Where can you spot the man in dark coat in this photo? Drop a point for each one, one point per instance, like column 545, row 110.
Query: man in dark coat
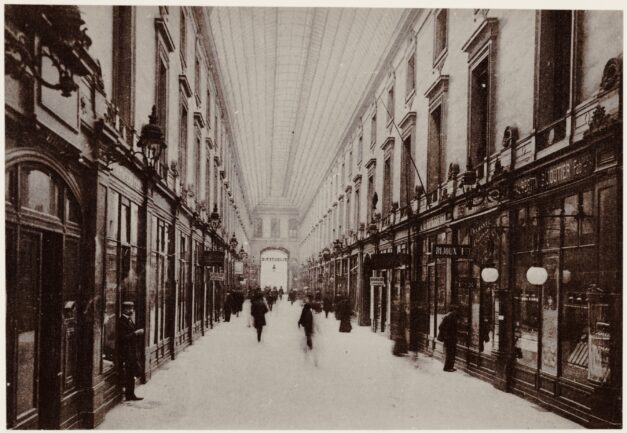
column 448, row 335
column 228, row 307
column 129, row 352
column 258, row 310
column 306, row 320
column 327, row 305
column 344, row 312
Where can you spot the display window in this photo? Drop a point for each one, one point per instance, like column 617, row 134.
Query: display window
column 561, row 327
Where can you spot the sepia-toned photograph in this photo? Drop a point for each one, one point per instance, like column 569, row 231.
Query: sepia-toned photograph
column 312, row 217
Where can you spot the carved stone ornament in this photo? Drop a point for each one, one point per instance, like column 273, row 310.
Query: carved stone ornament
column 453, row 170
column 510, row 135
column 612, row 73
column 600, row 120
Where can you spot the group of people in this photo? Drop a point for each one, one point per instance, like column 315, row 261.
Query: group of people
column 128, row 333
column 233, row 304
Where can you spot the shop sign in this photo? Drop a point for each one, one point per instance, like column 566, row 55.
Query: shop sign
column 213, row 258
column 435, row 221
column 216, row 276
column 449, row 250
column 377, row 281
column 238, row 267
column 563, row 172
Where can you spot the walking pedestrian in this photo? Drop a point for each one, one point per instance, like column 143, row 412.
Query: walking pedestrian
column 228, row 306
column 306, row 321
column 258, row 311
column 327, row 305
column 129, row 353
column 447, row 334
column 344, row 315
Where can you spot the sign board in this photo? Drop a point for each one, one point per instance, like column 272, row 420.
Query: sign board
column 213, row 258
column 449, row 250
column 565, row 171
column 238, row 267
column 216, row 276
column 377, row 281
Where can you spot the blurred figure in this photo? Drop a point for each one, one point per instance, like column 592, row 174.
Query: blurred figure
column 309, row 324
column 448, row 335
column 327, row 305
column 281, row 293
column 228, row 306
column 306, row 321
column 292, row 296
column 344, row 313
column 258, row 311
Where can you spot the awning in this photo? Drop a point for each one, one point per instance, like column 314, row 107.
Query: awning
column 387, row 260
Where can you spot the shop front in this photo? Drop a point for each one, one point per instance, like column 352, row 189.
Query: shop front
column 44, row 244
column 566, row 286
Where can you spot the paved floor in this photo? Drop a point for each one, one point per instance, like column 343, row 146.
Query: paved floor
column 227, row 380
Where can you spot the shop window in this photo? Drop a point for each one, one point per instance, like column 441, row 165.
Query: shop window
column 182, row 283
column 41, row 192
column 72, row 209
column 10, row 186
column 480, row 143
column 526, row 313
column 441, row 34
column 293, row 228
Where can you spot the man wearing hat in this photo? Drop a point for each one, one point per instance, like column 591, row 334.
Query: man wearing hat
column 129, row 353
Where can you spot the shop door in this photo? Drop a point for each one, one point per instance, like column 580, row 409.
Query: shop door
column 34, row 260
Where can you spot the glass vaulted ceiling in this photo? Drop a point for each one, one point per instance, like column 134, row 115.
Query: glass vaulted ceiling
column 293, row 78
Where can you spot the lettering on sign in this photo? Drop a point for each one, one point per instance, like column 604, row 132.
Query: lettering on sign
column 377, row 281
column 216, row 276
column 213, row 258
column 448, row 250
column 274, row 259
column 565, row 171
column 435, row 221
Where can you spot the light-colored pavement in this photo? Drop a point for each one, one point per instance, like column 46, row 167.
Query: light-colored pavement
column 227, row 380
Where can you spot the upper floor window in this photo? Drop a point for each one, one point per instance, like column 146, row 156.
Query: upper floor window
column 183, row 138
column 360, row 148
column 387, row 186
column 183, row 37
column 373, row 128
column 123, row 67
column 480, row 143
column 390, row 104
column 554, row 72
column 441, row 34
column 208, row 106
column 197, row 77
column 436, row 152
column 411, row 75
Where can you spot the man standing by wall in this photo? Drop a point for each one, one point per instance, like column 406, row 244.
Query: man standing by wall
column 129, row 354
